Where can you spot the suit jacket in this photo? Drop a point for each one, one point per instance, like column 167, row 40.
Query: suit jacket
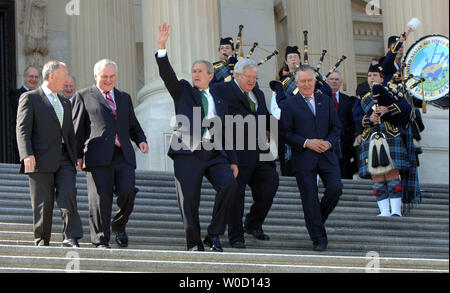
column 39, row 132
column 14, row 99
column 299, row 123
column 239, row 105
column 186, row 98
column 388, row 61
column 96, row 127
column 345, row 113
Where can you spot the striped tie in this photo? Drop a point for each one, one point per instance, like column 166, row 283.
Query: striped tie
column 57, row 108
column 310, row 105
column 113, row 106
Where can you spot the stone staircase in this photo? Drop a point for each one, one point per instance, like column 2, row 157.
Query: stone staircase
column 415, row 243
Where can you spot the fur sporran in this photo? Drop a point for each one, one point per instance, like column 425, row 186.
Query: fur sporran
column 380, row 161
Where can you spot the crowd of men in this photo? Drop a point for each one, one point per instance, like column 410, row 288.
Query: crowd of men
column 322, row 133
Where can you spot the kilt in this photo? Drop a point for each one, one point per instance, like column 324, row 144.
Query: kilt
column 397, row 148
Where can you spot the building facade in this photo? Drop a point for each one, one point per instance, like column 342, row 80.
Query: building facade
column 81, row 32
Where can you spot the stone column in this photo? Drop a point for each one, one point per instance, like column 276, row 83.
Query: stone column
column 104, row 29
column 330, row 27
column 434, row 16
column 194, row 35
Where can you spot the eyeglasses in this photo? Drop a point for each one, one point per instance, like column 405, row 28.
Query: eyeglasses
column 251, row 78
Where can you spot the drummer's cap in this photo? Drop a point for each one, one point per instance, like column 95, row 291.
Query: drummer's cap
column 292, row 50
column 392, row 41
column 227, row 41
column 376, row 68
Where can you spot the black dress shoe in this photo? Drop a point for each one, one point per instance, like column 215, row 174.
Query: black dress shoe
column 320, row 246
column 103, row 246
column 197, row 248
column 258, row 234
column 122, row 239
column 213, row 242
column 238, row 244
column 42, row 243
column 71, row 242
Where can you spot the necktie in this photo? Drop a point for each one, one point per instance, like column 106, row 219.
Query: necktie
column 336, row 101
column 309, row 102
column 58, row 111
column 112, row 104
column 252, row 104
column 205, row 105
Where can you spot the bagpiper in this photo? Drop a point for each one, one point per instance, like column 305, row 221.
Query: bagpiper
column 223, row 69
column 387, row 149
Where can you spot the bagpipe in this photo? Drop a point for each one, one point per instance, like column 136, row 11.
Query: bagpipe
column 380, row 160
column 239, row 55
column 282, row 85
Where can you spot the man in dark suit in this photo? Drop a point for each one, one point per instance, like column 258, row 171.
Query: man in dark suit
column 191, row 150
column 30, row 82
column 344, row 105
column 245, row 99
column 105, row 122
column 311, row 127
column 70, row 88
column 47, row 148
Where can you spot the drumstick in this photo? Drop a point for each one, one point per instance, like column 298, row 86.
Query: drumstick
column 424, row 103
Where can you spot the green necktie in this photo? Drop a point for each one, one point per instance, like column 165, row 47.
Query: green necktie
column 205, row 105
column 252, row 104
column 58, row 111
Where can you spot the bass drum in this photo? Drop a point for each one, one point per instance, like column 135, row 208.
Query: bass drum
column 428, row 58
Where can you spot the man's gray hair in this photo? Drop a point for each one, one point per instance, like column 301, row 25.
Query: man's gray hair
column 25, row 73
column 50, row 67
column 209, row 66
column 341, row 76
column 303, row 68
column 103, row 64
column 73, row 78
column 245, row 63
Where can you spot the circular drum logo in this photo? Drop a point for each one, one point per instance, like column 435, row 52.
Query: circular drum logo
column 428, row 58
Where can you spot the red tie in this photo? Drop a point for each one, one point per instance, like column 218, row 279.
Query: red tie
column 112, row 105
column 336, row 101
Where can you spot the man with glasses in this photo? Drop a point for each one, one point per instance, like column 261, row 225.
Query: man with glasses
column 245, row 99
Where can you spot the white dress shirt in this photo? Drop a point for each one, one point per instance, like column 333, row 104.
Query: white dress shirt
column 338, row 97
column 274, row 108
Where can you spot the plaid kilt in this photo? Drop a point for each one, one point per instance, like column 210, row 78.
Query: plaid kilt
column 397, row 148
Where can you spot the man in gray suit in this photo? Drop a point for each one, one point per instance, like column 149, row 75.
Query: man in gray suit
column 47, row 148
column 105, row 125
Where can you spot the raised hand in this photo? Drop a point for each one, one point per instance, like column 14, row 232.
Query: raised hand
column 163, row 35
